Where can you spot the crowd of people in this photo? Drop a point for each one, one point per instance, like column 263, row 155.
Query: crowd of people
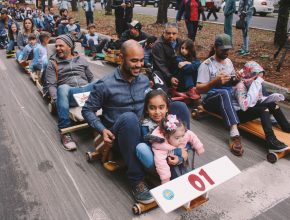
column 149, row 130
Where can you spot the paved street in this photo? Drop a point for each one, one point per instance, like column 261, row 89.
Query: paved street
column 268, row 22
column 39, row 180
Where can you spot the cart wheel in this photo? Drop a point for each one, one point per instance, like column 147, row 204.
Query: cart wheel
column 195, row 114
column 89, row 157
column 51, row 109
column 272, row 157
column 136, row 209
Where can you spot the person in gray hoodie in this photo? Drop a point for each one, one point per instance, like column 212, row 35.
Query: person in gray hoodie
column 67, row 74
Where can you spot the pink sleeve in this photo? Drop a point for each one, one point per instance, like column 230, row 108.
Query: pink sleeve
column 162, row 167
column 194, row 141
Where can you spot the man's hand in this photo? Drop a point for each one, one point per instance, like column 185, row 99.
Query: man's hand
column 174, row 82
column 108, row 136
column 172, row 159
column 123, row 5
column 223, row 78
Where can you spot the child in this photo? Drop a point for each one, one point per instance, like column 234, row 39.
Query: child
column 147, row 50
column 27, row 53
column 92, row 42
column 71, row 27
column 40, row 59
column 156, row 107
column 113, row 44
column 174, row 135
column 12, row 40
column 187, row 68
column 248, row 92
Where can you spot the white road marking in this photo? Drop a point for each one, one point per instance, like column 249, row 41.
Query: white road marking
column 254, row 191
column 2, row 66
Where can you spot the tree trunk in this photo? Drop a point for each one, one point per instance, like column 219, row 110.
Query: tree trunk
column 108, row 9
column 282, row 22
column 49, row 3
column 162, row 12
column 74, row 5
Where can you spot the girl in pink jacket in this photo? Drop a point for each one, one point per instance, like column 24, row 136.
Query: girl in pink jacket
column 173, row 134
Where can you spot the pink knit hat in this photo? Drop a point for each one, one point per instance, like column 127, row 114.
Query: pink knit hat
column 251, row 69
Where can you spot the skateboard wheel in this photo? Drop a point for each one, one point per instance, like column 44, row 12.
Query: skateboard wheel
column 272, row 157
column 89, row 157
column 136, row 209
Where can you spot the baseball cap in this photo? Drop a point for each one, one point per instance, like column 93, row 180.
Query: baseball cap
column 223, row 41
column 135, row 24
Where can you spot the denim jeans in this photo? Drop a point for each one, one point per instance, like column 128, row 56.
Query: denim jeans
column 191, row 29
column 228, row 26
column 246, row 34
column 128, row 134
column 10, row 45
column 144, row 151
column 60, row 29
column 65, row 100
column 96, row 48
column 89, row 17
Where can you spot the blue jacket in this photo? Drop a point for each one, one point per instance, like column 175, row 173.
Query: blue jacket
column 188, row 68
column 115, row 96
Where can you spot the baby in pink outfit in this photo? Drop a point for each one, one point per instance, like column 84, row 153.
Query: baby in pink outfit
column 173, row 134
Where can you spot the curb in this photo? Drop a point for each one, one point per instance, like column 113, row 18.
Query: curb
column 272, row 88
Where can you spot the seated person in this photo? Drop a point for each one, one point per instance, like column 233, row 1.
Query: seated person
column 27, row 53
column 134, row 32
column 215, row 84
column 39, row 61
column 174, row 135
column 164, row 57
column 12, row 39
column 62, row 22
column 71, row 27
column 92, row 41
column 38, row 20
column 156, row 107
column 113, row 44
column 49, row 21
column 148, row 50
column 187, row 69
column 5, row 23
column 67, row 74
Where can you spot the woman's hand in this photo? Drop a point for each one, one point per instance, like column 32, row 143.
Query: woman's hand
column 174, row 82
column 172, row 159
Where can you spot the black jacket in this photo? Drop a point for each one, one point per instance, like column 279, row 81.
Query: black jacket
column 126, row 35
column 164, row 58
column 123, row 12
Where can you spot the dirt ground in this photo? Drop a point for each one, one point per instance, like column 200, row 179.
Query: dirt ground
column 261, row 43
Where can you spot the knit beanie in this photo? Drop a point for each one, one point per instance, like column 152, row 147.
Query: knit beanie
column 67, row 39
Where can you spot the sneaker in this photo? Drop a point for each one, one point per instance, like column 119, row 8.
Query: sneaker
column 274, row 145
column 67, row 142
column 236, row 146
column 240, row 50
column 141, row 193
column 244, row 53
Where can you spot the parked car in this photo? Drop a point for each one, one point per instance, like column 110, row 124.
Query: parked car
column 155, row 3
column 262, row 7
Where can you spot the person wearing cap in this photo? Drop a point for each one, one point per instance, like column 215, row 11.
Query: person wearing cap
column 164, row 56
column 134, row 32
column 67, row 74
column 215, row 81
column 123, row 14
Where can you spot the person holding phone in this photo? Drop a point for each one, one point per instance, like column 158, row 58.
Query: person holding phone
column 214, row 83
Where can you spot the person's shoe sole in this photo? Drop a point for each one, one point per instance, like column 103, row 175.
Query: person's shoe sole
column 145, row 201
column 278, row 151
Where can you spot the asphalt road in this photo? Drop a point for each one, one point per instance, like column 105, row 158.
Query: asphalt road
column 268, row 22
column 40, row 180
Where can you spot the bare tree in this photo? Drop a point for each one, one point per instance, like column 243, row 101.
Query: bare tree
column 282, row 22
column 162, row 12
